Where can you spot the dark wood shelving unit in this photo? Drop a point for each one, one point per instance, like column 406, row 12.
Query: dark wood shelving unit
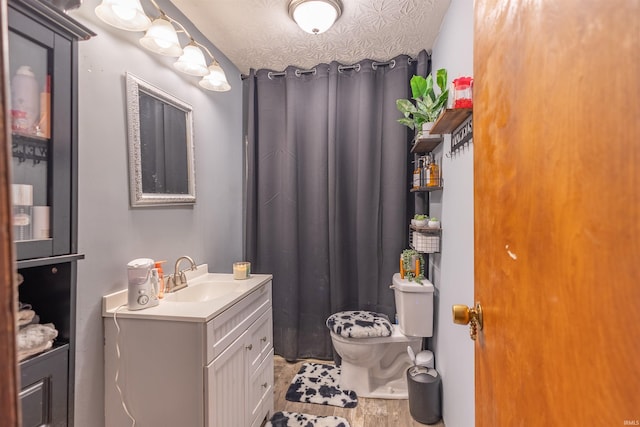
column 450, row 119
column 46, row 38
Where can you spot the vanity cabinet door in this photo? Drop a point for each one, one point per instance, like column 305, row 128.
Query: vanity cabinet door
column 226, row 386
column 239, row 381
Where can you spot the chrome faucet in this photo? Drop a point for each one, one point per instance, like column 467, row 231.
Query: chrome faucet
column 178, row 280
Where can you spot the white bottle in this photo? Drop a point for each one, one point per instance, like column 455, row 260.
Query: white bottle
column 25, row 100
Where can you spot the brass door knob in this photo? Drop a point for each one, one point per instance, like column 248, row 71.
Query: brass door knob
column 463, row 315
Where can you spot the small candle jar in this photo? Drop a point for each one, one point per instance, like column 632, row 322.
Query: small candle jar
column 241, row 270
column 463, row 92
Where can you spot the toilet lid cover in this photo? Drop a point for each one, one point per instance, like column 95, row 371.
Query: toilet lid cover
column 359, row 324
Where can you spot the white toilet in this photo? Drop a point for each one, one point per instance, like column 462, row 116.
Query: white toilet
column 374, row 351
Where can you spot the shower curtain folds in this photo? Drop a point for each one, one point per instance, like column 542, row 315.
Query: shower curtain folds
column 326, row 192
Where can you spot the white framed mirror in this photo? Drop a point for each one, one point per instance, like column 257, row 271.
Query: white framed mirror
column 161, row 150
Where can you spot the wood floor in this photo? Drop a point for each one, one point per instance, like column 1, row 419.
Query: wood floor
column 368, row 413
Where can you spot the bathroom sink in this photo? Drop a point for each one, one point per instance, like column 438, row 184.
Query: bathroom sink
column 204, row 291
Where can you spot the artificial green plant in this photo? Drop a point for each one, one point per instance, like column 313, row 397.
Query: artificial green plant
column 408, row 258
column 426, row 106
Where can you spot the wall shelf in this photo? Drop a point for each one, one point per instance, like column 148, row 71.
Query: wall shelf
column 37, row 262
column 425, row 189
column 426, row 230
column 426, row 145
column 450, row 119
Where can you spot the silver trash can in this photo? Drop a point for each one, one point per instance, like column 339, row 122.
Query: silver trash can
column 425, row 391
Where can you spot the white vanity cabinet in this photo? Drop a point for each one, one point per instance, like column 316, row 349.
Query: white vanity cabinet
column 177, row 371
column 242, row 368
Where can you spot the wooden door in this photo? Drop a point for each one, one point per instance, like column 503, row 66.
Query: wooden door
column 557, row 212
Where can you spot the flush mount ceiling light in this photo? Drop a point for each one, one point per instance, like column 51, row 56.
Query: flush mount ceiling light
column 124, row 14
column 161, row 37
column 315, row 16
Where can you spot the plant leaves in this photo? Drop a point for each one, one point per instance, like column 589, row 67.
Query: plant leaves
column 407, row 122
column 441, row 79
column 405, row 106
column 419, row 87
column 430, row 93
column 427, row 105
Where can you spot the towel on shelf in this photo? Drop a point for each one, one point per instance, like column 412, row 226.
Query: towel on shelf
column 25, row 317
column 34, row 339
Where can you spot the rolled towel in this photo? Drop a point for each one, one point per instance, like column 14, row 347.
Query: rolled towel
column 33, row 339
column 25, row 317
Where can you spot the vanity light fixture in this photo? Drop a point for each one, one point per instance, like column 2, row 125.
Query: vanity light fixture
column 315, row 16
column 123, row 14
column 162, row 37
column 192, row 61
column 216, row 79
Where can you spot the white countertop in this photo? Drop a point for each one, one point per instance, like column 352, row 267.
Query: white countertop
column 186, row 311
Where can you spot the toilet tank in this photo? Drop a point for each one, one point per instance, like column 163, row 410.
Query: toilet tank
column 414, row 305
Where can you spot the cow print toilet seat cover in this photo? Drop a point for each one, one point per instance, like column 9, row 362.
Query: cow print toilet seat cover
column 359, row 324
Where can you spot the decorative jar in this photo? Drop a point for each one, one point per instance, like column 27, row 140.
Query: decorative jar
column 463, row 92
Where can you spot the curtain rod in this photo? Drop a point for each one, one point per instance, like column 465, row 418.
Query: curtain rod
column 341, row 68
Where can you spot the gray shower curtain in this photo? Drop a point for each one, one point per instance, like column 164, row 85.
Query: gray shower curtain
column 326, row 192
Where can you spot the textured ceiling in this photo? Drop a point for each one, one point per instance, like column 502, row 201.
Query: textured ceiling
column 260, row 34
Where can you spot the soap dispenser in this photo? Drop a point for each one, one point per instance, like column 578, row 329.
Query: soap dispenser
column 158, row 266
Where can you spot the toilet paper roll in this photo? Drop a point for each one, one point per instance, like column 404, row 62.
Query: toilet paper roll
column 41, row 228
column 22, row 194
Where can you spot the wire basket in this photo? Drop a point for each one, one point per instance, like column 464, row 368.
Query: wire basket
column 425, row 243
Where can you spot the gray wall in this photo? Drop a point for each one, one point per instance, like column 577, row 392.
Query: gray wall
column 110, row 232
column 453, row 268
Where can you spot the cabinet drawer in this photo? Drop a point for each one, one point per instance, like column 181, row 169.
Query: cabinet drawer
column 260, row 394
column 229, row 325
column 260, row 340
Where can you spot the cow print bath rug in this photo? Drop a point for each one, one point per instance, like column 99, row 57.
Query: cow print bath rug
column 318, row 383
column 295, row 419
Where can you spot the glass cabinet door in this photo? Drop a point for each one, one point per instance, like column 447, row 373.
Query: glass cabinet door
column 39, row 67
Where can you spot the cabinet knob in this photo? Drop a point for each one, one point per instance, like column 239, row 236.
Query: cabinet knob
column 265, row 385
column 249, row 347
column 263, row 339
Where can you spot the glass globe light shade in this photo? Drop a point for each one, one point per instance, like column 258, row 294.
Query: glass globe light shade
column 123, row 14
column 315, row 16
column 162, row 38
column 216, row 80
column 192, row 61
